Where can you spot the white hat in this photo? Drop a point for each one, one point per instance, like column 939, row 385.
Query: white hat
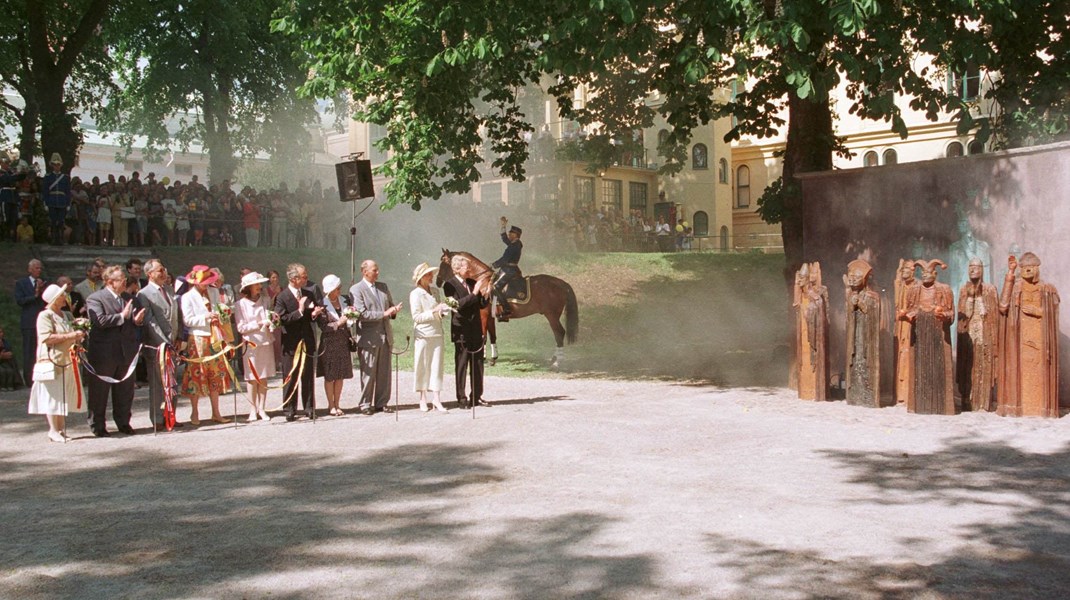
column 421, row 270
column 251, row 278
column 331, row 283
column 56, row 159
column 52, row 292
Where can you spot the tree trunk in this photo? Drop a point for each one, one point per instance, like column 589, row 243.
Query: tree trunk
column 29, row 121
column 59, row 129
column 809, row 148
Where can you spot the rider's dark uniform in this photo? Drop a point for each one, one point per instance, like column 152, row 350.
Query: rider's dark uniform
column 508, row 266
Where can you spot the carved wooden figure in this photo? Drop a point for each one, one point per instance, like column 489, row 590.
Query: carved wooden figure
column 902, row 331
column 863, row 336
column 978, row 341
column 812, row 333
column 1028, row 381
column 931, row 309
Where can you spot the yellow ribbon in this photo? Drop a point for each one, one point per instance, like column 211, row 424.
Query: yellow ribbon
column 299, row 366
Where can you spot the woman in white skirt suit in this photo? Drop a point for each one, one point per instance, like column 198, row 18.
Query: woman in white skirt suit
column 427, row 313
column 254, row 324
column 54, row 392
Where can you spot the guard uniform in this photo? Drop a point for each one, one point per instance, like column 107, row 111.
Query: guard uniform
column 9, row 202
column 56, row 193
column 508, row 266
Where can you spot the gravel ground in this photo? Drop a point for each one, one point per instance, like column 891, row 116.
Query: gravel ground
column 565, row 488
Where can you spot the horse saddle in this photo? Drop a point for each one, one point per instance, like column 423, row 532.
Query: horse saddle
column 518, row 291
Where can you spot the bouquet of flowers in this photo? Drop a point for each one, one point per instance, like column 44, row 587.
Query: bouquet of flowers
column 451, row 302
column 351, row 314
column 223, row 311
column 276, row 321
column 82, row 324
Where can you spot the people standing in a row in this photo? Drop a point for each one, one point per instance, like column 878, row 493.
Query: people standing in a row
column 112, row 348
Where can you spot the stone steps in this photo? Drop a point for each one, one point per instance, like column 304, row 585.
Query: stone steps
column 73, row 260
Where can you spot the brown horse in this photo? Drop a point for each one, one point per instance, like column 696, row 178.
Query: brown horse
column 550, row 297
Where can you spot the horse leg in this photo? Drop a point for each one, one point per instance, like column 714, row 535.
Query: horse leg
column 559, row 338
column 492, row 335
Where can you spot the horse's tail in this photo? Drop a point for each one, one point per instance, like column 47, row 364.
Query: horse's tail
column 572, row 314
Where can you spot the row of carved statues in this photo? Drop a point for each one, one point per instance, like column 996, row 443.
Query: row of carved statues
column 1007, row 344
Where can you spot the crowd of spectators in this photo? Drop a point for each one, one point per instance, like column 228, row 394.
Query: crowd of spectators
column 135, row 211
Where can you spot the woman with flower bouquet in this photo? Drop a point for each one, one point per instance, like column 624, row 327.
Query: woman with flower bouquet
column 199, row 313
column 56, row 387
column 335, row 363
column 427, row 313
column 257, row 324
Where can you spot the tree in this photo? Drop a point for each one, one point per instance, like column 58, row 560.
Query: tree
column 208, row 71
column 55, row 58
column 440, row 78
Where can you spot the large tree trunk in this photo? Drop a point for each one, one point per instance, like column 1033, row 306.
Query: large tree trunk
column 809, row 148
column 29, row 121
column 216, row 112
column 59, row 129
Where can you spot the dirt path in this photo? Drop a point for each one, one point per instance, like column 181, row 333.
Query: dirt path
column 566, row 488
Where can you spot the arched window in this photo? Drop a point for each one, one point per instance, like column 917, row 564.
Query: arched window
column 724, row 238
column 701, row 223
column 976, row 147
column 663, row 137
column 722, row 171
column 954, row 149
column 376, row 133
column 743, row 186
column 869, row 159
column 699, row 158
column 891, row 157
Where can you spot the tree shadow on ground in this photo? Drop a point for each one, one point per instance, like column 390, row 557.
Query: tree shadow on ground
column 1024, row 556
column 400, row 522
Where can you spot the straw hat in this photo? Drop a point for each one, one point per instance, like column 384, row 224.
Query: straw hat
column 201, row 275
column 421, row 270
column 330, row 283
column 251, row 279
column 52, row 292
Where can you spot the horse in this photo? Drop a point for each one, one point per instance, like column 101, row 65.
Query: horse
column 549, row 297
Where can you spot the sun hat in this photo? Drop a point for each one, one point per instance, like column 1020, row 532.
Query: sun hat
column 52, row 292
column 421, row 270
column 251, row 279
column 201, row 275
column 331, row 283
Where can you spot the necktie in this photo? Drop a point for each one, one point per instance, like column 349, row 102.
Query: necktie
column 166, row 297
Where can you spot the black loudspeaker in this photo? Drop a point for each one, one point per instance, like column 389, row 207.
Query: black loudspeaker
column 354, row 180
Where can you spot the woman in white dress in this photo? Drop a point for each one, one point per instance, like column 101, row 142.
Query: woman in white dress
column 254, row 324
column 55, row 392
column 427, row 313
column 208, row 378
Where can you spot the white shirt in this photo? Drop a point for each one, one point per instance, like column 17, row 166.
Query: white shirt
column 196, row 309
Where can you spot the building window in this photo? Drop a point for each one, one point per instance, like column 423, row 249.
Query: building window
column 612, row 190
column 376, row 133
column 183, row 169
column 637, row 196
column 701, row 223
column 518, row 193
column 133, row 165
column 699, row 157
column 722, row 171
column 663, row 138
column 491, row 193
column 954, row 150
column 966, row 84
column 869, row 159
column 976, row 147
column 743, row 187
column 584, row 192
column 891, row 157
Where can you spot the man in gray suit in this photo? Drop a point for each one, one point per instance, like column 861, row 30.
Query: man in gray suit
column 374, row 337
column 159, row 329
column 112, row 348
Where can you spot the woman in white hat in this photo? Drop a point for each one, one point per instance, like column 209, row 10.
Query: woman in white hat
column 335, row 363
column 257, row 329
column 427, row 313
column 55, row 392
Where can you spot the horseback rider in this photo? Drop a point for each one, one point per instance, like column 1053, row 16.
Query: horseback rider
column 508, row 265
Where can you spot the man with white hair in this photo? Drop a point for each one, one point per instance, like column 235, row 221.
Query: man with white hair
column 375, row 337
column 28, row 292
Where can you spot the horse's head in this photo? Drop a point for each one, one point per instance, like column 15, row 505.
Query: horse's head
column 444, row 269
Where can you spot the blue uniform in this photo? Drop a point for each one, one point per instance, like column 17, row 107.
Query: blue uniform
column 9, row 202
column 56, row 193
column 509, row 267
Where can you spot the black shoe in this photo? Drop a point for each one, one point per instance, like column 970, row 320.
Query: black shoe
column 291, row 418
column 311, row 414
column 482, row 402
column 126, row 430
column 367, row 411
column 462, row 404
column 101, row 433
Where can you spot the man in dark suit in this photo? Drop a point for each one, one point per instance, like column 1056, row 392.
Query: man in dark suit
column 28, row 292
column 374, row 337
column 112, row 347
column 297, row 310
column 466, row 332
column 160, row 329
